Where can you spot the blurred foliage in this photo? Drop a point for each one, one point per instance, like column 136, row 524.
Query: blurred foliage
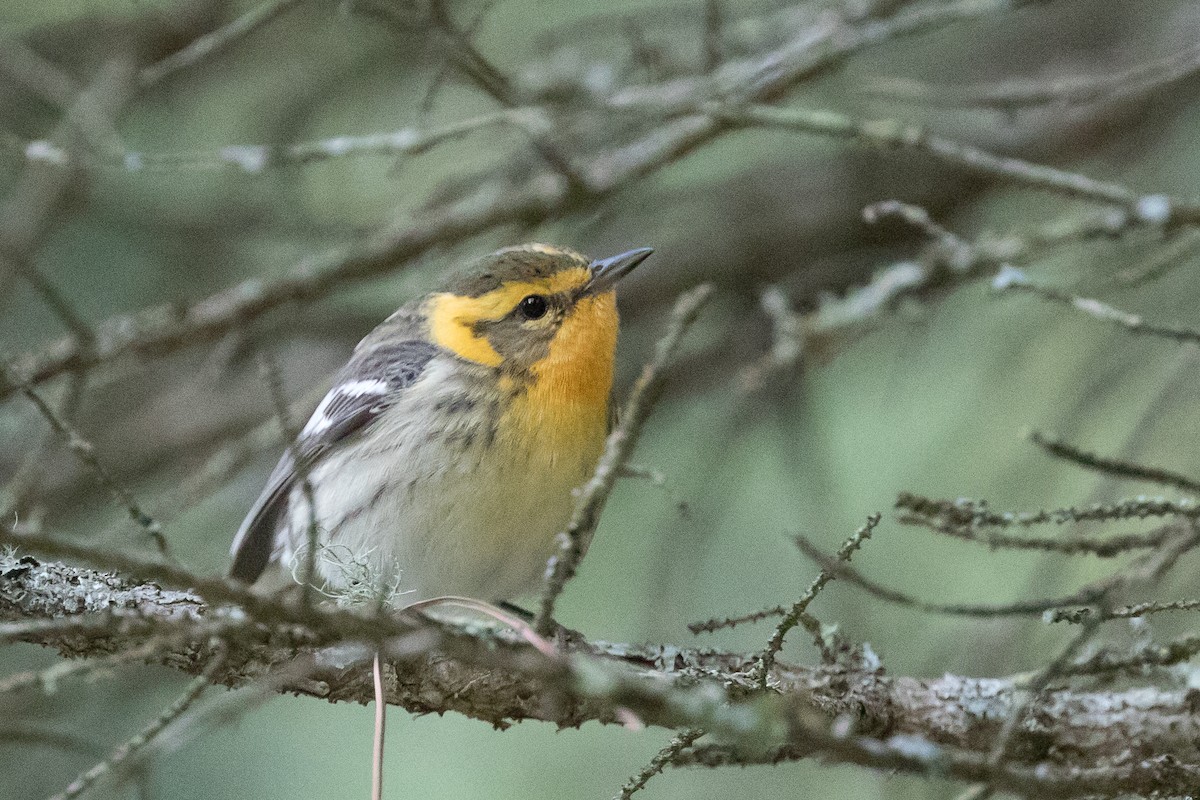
column 933, row 399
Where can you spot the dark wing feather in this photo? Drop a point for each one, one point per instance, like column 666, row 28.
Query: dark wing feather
column 362, row 390
column 255, row 541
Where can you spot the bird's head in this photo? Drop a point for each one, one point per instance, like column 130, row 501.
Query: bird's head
column 535, row 310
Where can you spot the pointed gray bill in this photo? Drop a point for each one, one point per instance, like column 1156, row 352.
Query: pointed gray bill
column 607, row 271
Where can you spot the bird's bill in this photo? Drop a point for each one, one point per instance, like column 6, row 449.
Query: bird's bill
column 607, row 271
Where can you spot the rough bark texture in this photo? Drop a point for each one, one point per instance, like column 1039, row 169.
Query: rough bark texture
column 84, row 613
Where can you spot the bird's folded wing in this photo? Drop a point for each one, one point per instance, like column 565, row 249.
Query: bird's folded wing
column 374, row 378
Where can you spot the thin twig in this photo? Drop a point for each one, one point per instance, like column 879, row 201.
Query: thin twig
column 617, row 449
column 225, row 463
column 48, row 678
column 210, row 44
column 919, row 756
column 1105, row 661
column 129, row 623
column 86, row 453
column 1014, row 280
column 24, row 482
column 852, row 576
column 798, row 614
column 974, row 513
column 32, row 205
column 898, row 135
column 661, row 760
column 1018, row 608
column 485, row 76
column 720, row 623
column 138, row 742
column 256, row 158
column 915, row 216
column 1113, row 466
column 1088, row 615
column 58, row 302
column 290, row 433
column 1175, row 252
column 949, row 261
column 1108, row 547
column 1067, row 90
column 1034, row 687
column 787, row 340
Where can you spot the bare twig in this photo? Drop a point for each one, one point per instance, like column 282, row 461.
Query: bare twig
column 25, row 480
column 844, row 571
column 1108, row 547
column 661, row 760
column 895, row 134
column 225, row 463
column 950, row 261
column 256, row 158
column 787, row 340
column 1033, row 689
column 1066, row 91
column 918, row 756
column 86, row 453
column 138, row 742
column 290, row 432
column 58, row 302
column 716, row 624
column 1175, row 252
column 972, row 513
column 1088, row 615
column 49, row 678
column 210, row 44
column 1018, row 608
column 1014, row 280
column 798, row 614
column 1113, row 466
column 28, row 211
column 1105, row 660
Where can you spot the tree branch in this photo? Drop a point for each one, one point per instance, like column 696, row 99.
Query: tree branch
column 1077, row 740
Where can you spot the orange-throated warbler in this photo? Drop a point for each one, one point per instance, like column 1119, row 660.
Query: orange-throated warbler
column 443, row 459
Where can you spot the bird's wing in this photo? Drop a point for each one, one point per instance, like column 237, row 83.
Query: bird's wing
column 374, row 378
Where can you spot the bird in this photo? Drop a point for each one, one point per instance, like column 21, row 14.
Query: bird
column 442, row 462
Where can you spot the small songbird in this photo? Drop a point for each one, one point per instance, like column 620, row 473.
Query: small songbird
column 442, row 461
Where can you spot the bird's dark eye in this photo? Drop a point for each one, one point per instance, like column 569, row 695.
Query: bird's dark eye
column 533, row 307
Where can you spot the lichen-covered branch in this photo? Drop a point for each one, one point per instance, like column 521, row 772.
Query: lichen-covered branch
column 1077, row 739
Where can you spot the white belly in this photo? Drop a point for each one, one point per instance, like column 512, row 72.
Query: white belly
column 439, row 508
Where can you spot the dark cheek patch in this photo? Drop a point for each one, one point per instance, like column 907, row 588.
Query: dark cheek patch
column 520, row 343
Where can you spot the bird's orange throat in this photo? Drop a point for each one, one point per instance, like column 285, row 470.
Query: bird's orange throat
column 578, row 370
column 566, row 404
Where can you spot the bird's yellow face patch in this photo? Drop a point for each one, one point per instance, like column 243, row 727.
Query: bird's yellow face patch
column 455, row 321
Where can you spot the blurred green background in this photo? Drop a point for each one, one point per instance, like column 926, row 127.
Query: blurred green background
column 931, row 398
